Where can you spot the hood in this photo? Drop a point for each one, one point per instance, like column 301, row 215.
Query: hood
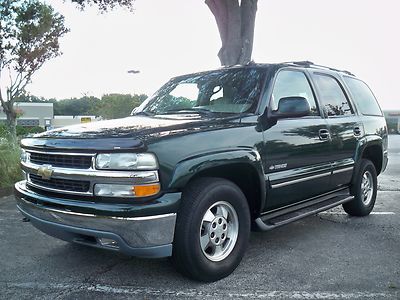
column 141, row 127
column 128, row 133
column 125, row 127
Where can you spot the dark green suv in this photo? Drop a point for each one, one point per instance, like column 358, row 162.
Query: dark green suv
column 207, row 158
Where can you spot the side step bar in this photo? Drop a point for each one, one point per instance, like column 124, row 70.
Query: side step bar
column 268, row 222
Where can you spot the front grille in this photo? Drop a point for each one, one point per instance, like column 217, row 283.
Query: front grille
column 61, row 160
column 61, row 184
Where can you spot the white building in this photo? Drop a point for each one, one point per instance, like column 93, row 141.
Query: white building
column 42, row 114
column 32, row 114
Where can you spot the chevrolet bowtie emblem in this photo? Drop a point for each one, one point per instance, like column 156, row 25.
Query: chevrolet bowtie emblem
column 45, row 172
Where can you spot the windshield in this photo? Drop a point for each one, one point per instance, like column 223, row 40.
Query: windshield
column 224, row 91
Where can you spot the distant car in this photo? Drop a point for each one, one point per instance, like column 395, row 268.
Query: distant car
column 208, row 157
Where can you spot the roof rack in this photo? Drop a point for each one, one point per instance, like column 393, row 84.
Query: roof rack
column 309, row 64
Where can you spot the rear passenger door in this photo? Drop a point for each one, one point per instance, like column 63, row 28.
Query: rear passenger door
column 343, row 124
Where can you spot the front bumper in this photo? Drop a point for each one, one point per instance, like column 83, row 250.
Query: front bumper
column 144, row 236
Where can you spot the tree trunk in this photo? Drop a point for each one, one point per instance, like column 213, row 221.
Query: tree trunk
column 11, row 124
column 11, row 115
column 235, row 23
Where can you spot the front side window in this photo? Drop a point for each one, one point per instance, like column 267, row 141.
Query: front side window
column 363, row 97
column 333, row 99
column 223, row 91
column 291, row 84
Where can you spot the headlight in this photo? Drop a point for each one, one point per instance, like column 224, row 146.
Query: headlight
column 126, row 161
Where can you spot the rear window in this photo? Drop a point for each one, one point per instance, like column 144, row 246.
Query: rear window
column 363, row 97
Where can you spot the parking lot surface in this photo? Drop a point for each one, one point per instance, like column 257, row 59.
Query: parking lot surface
column 326, row 256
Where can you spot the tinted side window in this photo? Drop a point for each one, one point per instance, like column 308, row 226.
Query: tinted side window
column 363, row 97
column 293, row 83
column 332, row 99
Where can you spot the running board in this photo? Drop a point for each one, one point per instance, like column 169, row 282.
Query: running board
column 268, row 222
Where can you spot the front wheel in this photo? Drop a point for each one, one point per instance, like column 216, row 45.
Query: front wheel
column 212, row 229
column 364, row 191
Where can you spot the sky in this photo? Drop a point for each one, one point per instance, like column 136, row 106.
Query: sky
column 163, row 39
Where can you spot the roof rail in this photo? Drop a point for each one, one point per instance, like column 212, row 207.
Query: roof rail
column 309, row 64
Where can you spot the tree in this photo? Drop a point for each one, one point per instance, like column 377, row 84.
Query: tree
column 114, row 106
column 29, row 36
column 235, row 21
column 86, row 105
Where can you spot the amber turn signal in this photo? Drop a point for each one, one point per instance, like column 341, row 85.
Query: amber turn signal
column 146, row 190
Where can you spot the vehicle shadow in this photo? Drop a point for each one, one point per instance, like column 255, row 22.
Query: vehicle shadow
column 266, row 251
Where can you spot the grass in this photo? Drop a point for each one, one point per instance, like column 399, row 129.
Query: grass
column 10, row 171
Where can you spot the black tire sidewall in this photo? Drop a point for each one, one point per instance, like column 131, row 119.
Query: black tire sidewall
column 358, row 206
column 201, row 267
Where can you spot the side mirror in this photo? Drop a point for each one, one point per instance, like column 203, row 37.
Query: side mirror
column 292, row 107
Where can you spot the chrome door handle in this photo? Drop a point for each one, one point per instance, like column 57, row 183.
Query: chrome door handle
column 324, row 134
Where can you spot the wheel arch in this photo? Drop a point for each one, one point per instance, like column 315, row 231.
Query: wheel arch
column 242, row 167
column 371, row 148
column 374, row 153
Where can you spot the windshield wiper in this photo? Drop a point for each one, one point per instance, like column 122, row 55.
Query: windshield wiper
column 144, row 113
column 200, row 111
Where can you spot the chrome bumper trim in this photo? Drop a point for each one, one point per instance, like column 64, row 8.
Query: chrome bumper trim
column 78, row 174
column 93, row 176
column 137, row 232
column 145, row 218
column 95, row 238
column 61, row 153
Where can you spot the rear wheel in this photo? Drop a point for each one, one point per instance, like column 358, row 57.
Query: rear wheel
column 364, row 191
column 212, row 229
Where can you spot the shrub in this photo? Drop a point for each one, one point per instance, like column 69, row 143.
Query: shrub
column 23, row 131
column 10, row 170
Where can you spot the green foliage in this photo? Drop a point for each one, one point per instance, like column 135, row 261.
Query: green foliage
column 29, row 36
column 21, row 131
column 33, row 99
column 10, row 154
column 105, row 5
column 114, row 106
column 109, row 106
column 77, row 106
column 9, row 165
column 9, row 159
column 24, row 130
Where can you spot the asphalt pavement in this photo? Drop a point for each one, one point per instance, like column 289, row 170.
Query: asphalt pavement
column 326, row 256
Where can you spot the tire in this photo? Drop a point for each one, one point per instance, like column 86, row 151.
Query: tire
column 364, row 190
column 212, row 229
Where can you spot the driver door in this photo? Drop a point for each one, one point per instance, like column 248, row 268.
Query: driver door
column 296, row 150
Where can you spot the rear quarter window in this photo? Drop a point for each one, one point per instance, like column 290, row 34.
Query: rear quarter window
column 363, row 97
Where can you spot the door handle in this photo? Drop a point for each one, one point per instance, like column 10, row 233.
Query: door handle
column 324, row 134
column 357, row 131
